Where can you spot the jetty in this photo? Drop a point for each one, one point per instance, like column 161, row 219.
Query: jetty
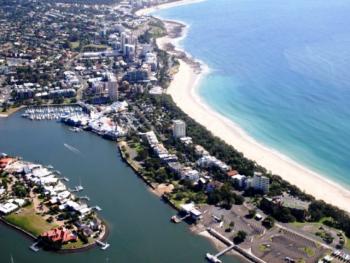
column 85, row 197
column 103, row 245
column 34, row 247
column 215, row 258
column 97, row 208
column 175, row 219
column 64, row 179
column 225, row 240
column 77, row 188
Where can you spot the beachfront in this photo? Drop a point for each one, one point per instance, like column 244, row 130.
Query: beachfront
column 210, row 184
column 183, row 90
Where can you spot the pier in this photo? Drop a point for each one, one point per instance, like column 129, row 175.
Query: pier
column 177, row 220
column 85, row 197
column 223, row 252
column 78, row 188
column 103, row 245
column 225, row 240
column 97, row 208
column 219, row 236
column 34, row 247
column 215, row 258
column 64, row 179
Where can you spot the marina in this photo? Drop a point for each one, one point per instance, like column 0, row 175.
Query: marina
column 52, row 112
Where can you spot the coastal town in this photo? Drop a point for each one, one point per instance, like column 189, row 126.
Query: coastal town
column 98, row 68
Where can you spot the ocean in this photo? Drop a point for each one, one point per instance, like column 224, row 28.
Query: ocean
column 279, row 69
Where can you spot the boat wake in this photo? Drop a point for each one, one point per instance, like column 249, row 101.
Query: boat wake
column 71, row 148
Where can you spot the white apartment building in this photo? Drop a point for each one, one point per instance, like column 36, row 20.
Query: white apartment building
column 179, row 129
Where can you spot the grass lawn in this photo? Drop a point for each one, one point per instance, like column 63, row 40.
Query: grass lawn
column 74, row 245
column 177, row 203
column 315, row 224
column 309, row 251
column 29, row 221
column 263, row 248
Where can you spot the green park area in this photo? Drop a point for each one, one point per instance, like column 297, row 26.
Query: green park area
column 29, row 221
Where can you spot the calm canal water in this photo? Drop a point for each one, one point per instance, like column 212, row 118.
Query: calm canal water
column 140, row 230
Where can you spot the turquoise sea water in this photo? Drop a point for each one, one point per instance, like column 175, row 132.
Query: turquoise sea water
column 281, row 70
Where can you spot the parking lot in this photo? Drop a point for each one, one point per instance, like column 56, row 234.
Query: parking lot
column 283, row 246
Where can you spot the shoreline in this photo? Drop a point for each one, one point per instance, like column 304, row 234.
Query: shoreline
column 60, row 251
column 11, row 111
column 184, row 91
column 175, row 3
column 35, row 235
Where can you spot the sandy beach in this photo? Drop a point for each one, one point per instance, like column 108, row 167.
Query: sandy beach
column 147, row 11
column 183, row 90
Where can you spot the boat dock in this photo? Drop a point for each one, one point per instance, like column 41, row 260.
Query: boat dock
column 85, row 197
column 231, row 246
column 215, row 258
column 34, row 247
column 64, row 179
column 175, row 219
column 97, row 208
column 103, row 245
column 78, row 188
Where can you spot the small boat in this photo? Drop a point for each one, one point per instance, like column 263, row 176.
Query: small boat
column 75, row 129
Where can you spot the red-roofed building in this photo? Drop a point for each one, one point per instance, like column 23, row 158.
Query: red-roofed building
column 232, row 173
column 59, row 235
column 6, row 161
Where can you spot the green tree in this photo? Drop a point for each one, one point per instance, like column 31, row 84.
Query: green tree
column 20, row 190
column 268, row 222
column 240, row 237
column 251, row 213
